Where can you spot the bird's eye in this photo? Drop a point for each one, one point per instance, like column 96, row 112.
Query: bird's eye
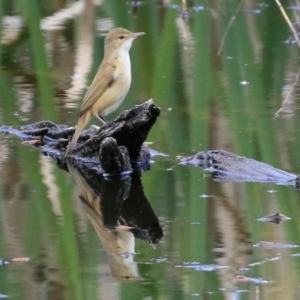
column 121, row 37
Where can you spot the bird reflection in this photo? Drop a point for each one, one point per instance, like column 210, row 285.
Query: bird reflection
column 119, row 212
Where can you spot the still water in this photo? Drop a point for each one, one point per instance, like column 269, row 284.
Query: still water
column 219, row 82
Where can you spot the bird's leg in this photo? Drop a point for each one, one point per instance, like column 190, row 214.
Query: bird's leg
column 101, row 119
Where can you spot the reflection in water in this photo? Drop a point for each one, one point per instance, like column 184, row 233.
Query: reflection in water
column 84, row 52
column 119, row 212
column 187, row 56
column 233, row 241
column 12, row 26
column 204, row 107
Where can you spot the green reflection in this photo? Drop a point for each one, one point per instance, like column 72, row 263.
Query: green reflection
column 204, row 106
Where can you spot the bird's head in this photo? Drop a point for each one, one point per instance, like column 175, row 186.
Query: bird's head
column 120, row 38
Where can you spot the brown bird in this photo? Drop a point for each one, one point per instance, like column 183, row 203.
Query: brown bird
column 111, row 83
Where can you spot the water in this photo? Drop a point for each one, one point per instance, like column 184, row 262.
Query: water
column 213, row 246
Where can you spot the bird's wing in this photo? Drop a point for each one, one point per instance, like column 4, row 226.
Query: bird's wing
column 101, row 82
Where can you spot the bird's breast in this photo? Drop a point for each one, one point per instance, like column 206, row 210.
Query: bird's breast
column 116, row 93
column 123, row 67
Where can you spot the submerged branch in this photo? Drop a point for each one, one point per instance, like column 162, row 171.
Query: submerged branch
column 229, row 167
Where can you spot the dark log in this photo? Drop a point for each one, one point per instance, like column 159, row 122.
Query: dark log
column 130, row 130
column 114, row 159
column 229, row 167
column 119, row 154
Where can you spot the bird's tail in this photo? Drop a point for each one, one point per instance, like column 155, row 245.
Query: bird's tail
column 82, row 122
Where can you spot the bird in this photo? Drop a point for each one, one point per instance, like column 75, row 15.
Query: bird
column 111, row 83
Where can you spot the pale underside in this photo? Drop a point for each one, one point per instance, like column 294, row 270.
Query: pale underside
column 110, row 86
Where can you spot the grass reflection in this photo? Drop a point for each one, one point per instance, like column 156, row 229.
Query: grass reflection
column 45, row 73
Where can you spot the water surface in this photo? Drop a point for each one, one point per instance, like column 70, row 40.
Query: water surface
column 213, row 246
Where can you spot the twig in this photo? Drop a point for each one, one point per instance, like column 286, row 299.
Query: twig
column 288, row 94
column 232, row 19
column 288, row 22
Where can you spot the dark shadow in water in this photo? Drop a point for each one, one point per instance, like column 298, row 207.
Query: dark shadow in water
column 120, row 212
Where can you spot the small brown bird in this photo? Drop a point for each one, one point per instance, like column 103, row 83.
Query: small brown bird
column 111, row 83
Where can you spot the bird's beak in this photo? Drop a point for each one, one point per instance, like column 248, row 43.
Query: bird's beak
column 137, row 34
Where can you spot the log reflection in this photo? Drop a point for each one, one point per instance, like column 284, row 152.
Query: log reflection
column 119, row 212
